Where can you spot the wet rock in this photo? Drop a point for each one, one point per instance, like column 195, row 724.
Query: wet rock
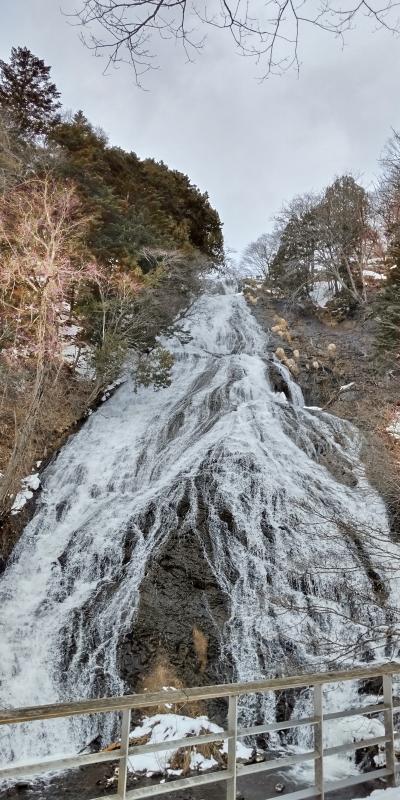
column 371, row 686
column 179, row 595
column 278, row 382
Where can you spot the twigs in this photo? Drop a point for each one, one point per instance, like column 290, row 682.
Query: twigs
column 271, row 35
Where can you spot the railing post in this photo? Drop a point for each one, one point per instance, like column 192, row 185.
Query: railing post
column 319, row 740
column 123, row 761
column 389, row 727
column 232, row 741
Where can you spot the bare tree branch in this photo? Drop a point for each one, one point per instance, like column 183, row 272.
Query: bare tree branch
column 270, row 34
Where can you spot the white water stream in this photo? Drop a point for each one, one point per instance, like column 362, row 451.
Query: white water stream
column 296, row 559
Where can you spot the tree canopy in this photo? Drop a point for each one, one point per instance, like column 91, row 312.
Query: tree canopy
column 328, row 236
column 27, row 94
column 134, row 203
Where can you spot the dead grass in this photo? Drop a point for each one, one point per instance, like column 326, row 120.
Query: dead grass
column 182, row 758
column 200, row 642
column 164, row 674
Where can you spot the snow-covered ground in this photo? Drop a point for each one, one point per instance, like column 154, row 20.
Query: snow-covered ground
column 166, row 728
column 322, row 292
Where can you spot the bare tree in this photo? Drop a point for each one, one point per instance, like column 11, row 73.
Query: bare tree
column 259, row 255
column 352, row 579
column 270, row 34
column 388, row 196
column 11, row 157
column 131, row 313
column 41, row 230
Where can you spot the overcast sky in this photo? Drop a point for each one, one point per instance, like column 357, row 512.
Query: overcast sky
column 250, row 145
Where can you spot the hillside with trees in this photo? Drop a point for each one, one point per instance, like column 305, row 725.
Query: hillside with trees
column 338, row 249
column 100, row 252
column 326, row 283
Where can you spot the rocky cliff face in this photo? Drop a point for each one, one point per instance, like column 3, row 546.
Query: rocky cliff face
column 179, row 597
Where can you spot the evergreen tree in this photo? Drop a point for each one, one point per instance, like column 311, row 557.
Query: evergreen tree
column 346, row 235
column 292, row 268
column 387, row 309
column 27, row 93
column 134, row 203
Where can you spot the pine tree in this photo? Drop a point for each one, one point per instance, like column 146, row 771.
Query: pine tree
column 27, row 93
column 387, row 309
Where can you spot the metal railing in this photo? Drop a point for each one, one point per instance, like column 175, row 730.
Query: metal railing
column 233, row 771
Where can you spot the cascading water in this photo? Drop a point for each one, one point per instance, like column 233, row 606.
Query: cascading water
column 280, row 491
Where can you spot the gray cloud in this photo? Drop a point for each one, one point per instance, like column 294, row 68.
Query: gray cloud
column 250, row 145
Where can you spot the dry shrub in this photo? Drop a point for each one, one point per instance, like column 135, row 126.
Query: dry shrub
column 161, row 674
column 164, row 674
column 213, row 750
column 200, row 642
column 181, row 759
column 138, row 741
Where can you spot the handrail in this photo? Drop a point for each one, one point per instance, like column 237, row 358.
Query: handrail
column 126, row 703
column 149, row 699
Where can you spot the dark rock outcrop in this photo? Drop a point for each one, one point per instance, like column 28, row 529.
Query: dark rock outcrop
column 178, row 595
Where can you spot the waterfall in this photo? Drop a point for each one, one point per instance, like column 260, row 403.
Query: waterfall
column 297, row 540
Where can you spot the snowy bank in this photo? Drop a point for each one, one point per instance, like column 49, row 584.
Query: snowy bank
column 167, row 727
column 29, row 485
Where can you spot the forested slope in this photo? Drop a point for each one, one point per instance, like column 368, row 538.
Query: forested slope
column 100, row 251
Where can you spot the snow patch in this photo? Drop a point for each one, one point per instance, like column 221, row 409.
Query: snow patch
column 166, row 728
column 379, row 276
column 346, row 730
column 347, row 387
column 110, row 388
column 394, row 427
column 29, row 485
column 70, row 330
column 322, row 293
column 79, row 358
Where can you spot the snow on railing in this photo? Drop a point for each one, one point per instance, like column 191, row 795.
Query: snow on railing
column 233, row 771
